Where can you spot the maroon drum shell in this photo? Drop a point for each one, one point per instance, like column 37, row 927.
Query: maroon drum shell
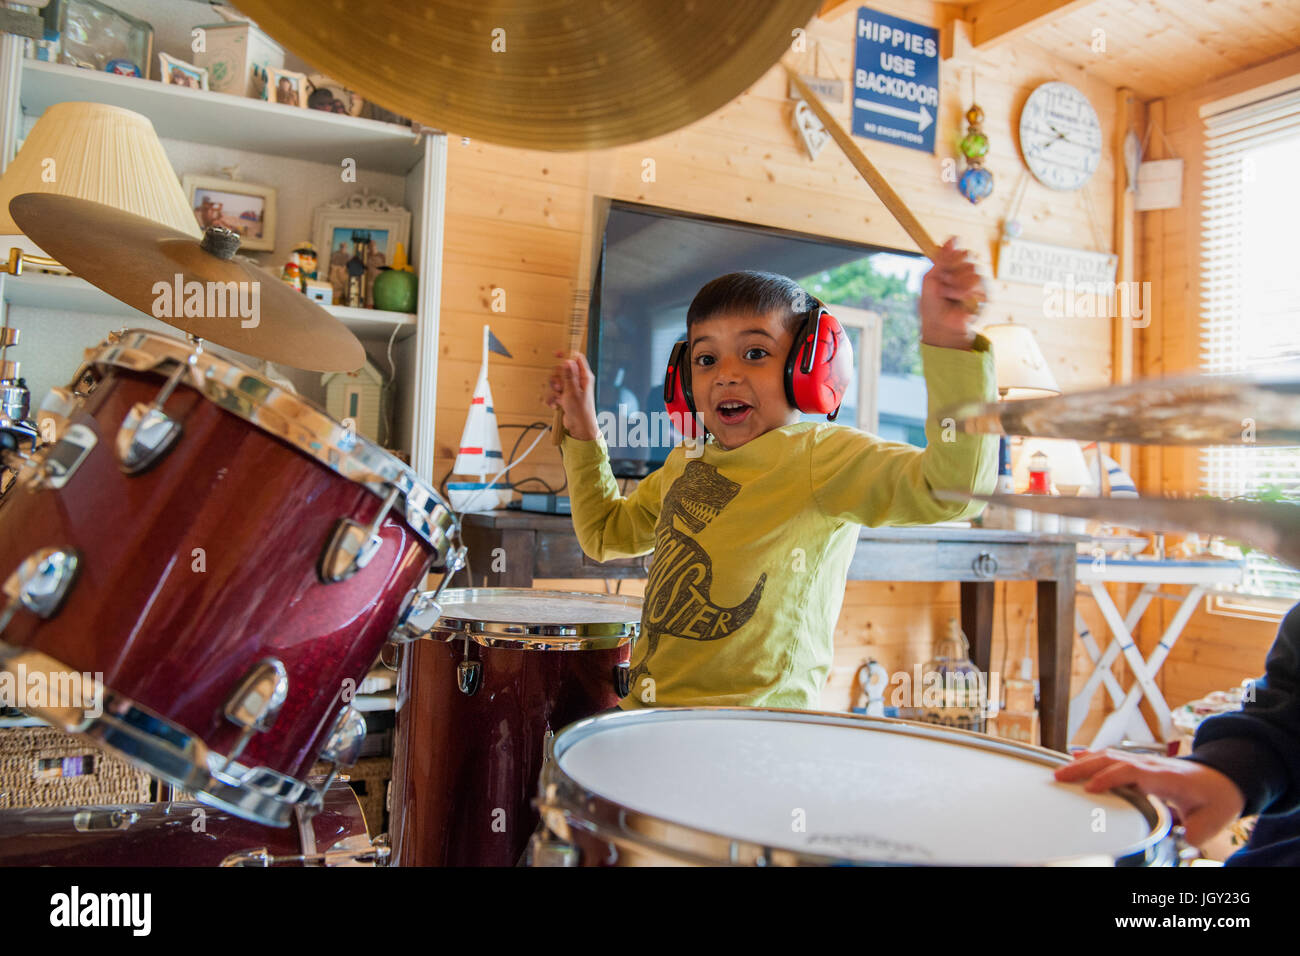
column 459, row 758
column 164, row 835
column 176, row 640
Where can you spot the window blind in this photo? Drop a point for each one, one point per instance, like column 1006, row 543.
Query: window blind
column 1250, row 292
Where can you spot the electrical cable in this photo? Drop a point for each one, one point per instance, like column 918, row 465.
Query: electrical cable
column 497, row 477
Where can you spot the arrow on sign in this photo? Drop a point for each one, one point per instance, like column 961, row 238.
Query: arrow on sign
column 922, row 119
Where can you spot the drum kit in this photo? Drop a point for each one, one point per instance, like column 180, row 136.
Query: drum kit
column 217, row 563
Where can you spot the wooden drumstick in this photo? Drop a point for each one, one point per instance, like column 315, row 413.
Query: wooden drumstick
column 576, row 320
column 893, row 202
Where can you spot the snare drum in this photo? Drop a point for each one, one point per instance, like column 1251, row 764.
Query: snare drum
column 185, row 834
column 498, row 672
column 717, row 786
column 220, row 559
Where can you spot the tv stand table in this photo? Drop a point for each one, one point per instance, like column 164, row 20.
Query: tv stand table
column 513, row 548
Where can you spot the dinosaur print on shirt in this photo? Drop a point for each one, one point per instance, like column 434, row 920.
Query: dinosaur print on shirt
column 678, row 602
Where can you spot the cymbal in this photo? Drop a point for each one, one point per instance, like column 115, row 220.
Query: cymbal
column 141, row 262
column 1272, row 526
column 1261, row 409
column 542, row 74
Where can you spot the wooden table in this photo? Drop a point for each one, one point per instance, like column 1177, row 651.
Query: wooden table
column 512, row 548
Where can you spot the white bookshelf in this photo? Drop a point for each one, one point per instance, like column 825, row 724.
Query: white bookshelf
column 220, row 119
column 202, row 119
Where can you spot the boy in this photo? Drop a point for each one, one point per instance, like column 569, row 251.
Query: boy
column 752, row 539
column 1240, row 764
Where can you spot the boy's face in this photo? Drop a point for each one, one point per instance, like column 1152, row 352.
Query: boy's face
column 738, row 376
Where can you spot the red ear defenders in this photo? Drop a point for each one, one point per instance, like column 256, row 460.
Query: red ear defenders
column 817, row 372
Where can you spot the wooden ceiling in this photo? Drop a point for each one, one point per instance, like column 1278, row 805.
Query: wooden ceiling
column 1156, row 48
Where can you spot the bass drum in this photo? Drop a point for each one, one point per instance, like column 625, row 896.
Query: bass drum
column 185, row 834
column 724, row 786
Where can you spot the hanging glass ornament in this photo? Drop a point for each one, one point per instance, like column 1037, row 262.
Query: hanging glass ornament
column 976, row 183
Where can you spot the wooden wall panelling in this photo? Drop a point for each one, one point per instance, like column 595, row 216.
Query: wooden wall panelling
column 512, row 223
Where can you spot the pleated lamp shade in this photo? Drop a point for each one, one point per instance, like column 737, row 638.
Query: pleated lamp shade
column 102, row 153
column 1021, row 369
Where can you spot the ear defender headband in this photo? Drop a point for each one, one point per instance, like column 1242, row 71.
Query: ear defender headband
column 818, row 371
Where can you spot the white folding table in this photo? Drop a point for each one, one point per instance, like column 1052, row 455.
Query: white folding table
column 1126, row 720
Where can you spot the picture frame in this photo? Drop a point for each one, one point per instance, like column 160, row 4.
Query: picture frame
column 330, row 96
column 286, row 87
column 247, row 208
column 175, row 72
column 333, row 227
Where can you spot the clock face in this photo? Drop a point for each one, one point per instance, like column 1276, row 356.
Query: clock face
column 1060, row 136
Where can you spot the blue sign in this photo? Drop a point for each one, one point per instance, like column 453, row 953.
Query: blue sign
column 895, row 80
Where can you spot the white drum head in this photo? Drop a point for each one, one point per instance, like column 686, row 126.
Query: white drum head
column 529, row 619
column 863, row 790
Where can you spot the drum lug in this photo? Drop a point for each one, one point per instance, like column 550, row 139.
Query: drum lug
column 55, row 464
column 257, row 701
column 40, row 584
column 622, row 678
column 405, row 630
column 344, row 744
column 144, row 437
column 343, row 748
column 147, row 432
column 58, row 407
column 469, row 674
column 353, row 544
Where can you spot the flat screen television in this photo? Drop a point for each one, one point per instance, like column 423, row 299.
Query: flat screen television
column 652, row 261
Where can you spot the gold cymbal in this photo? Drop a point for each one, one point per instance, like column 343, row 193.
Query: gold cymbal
column 542, row 74
column 142, row 262
column 1273, row 526
column 1260, row 409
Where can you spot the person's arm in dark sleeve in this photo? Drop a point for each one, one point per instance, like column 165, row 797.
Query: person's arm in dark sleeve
column 1258, row 748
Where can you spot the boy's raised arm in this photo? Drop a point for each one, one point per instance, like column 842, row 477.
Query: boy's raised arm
column 607, row 524
column 858, row 477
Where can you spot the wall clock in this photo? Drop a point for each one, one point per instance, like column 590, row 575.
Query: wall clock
column 1060, row 136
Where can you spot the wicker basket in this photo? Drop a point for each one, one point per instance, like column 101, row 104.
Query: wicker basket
column 44, row 767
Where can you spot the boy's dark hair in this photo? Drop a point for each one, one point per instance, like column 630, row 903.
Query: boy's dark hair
column 751, row 293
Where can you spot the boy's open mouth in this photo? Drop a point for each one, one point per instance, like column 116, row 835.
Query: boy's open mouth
column 733, row 412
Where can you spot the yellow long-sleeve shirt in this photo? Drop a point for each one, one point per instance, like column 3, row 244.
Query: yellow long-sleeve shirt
column 752, row 546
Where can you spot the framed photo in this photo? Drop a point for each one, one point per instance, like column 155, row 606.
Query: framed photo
column 179, row 73
column 361, row 227
column 287, row 87
column 247, row 208
column 332, row 97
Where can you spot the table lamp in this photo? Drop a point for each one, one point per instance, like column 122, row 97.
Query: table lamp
column 90, row 151
column 1022, row 371
column 102, row 153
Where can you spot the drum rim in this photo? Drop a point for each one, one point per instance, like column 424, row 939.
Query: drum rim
column 177, row 755
column 568, row 803
column 310, row 429
column 523, row 635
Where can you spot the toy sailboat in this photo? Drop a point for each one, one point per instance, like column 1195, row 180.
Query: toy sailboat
column 480, row 446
